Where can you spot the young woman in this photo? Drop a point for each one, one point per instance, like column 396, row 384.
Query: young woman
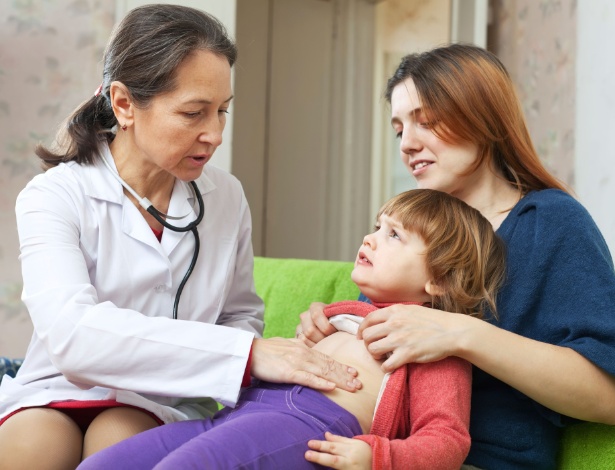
column 550, row 356
column 428, row 248
column 132, row 326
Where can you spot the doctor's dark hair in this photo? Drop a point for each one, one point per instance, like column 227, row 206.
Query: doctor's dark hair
column 465, row 258
column 469, row 96
column 144, row 52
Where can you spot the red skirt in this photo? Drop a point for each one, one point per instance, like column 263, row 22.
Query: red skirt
column 84, row 412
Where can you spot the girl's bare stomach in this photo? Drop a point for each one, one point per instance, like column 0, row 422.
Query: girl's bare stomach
column 345, row 348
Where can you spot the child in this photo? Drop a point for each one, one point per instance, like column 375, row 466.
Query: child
column 428, row 248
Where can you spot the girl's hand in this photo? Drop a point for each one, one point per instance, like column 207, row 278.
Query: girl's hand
column 340, row 452
column 314, row 325
column 411, row 333
column 282, row 360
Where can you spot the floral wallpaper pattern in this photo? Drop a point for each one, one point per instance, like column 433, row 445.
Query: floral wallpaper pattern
column 50, row 61
column 536, row 41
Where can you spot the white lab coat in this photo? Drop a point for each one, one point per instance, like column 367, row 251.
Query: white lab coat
column 100, row 288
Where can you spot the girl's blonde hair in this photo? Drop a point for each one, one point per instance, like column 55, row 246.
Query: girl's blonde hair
column 464, row 257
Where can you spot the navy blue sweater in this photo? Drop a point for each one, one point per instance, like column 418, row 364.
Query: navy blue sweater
column 560, row 289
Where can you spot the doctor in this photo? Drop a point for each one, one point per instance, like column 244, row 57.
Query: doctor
column 115, row 242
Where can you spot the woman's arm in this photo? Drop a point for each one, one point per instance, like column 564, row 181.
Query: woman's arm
column 314, row 325
column 557, row 377
column 554, row 376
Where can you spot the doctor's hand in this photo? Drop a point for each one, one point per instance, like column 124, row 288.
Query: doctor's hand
column 282, row 360
column 314, row 325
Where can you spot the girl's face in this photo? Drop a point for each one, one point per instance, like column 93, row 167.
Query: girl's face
column 390, row 265
column 434, row 163
column 180, row 130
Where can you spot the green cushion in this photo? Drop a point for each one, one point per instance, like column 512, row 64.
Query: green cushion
column 288, row 286
column 588, row 446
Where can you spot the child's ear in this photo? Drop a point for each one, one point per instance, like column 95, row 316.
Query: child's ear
column 434, row 290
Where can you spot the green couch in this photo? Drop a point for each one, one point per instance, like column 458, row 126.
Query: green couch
column 288, row 286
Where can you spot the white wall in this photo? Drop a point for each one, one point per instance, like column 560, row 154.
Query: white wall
column 225, row 11
column 595, row 117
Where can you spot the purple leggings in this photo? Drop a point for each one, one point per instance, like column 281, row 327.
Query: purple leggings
column 269, row 429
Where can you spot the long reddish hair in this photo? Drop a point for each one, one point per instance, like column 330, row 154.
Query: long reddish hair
column 464, row 256
column 468, row 93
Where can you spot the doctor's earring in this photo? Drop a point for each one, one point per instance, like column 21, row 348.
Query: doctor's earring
column 124, row 127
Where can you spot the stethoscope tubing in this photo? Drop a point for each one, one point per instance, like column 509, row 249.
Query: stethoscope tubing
column 160, row 217
column 195, row 255
column 192, row 227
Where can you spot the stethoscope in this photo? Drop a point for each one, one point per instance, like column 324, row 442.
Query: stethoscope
column 161, row 216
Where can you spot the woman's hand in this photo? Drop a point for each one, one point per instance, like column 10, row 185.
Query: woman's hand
column 557, row 377
column 314, row 325
column 284, row 360
column 340, row 452
column 411, row 333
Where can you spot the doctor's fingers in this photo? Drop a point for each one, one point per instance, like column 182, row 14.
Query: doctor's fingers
column 319, row 371
column 290, row 361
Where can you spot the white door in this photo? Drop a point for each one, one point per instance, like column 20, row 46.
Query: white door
column 302, row 128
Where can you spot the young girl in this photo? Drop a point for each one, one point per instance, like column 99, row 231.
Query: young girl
column 428, row 248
